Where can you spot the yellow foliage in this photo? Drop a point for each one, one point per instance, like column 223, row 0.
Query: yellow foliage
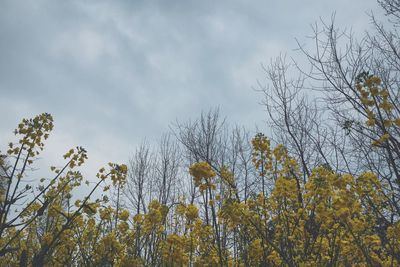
column 329, row 219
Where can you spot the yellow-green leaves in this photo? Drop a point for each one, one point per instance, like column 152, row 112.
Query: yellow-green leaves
column 34, row 131
column 202, row 175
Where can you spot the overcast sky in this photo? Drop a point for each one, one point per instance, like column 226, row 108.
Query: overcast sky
column 115, row 72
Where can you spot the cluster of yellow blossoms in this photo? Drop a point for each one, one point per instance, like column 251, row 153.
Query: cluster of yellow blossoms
column 330, row 219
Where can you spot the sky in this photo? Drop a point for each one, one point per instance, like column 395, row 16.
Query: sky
column 113, row 73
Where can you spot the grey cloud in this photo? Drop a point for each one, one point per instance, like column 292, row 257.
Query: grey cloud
column 119, row 71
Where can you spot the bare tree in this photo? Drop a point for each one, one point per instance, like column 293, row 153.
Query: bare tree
column 140, row 166
column 168, row 161
column 355, row 87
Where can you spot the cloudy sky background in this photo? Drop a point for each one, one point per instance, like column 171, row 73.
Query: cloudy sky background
column 115, row 72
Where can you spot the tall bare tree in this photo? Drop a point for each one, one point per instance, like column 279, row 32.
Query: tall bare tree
column 355, row 102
